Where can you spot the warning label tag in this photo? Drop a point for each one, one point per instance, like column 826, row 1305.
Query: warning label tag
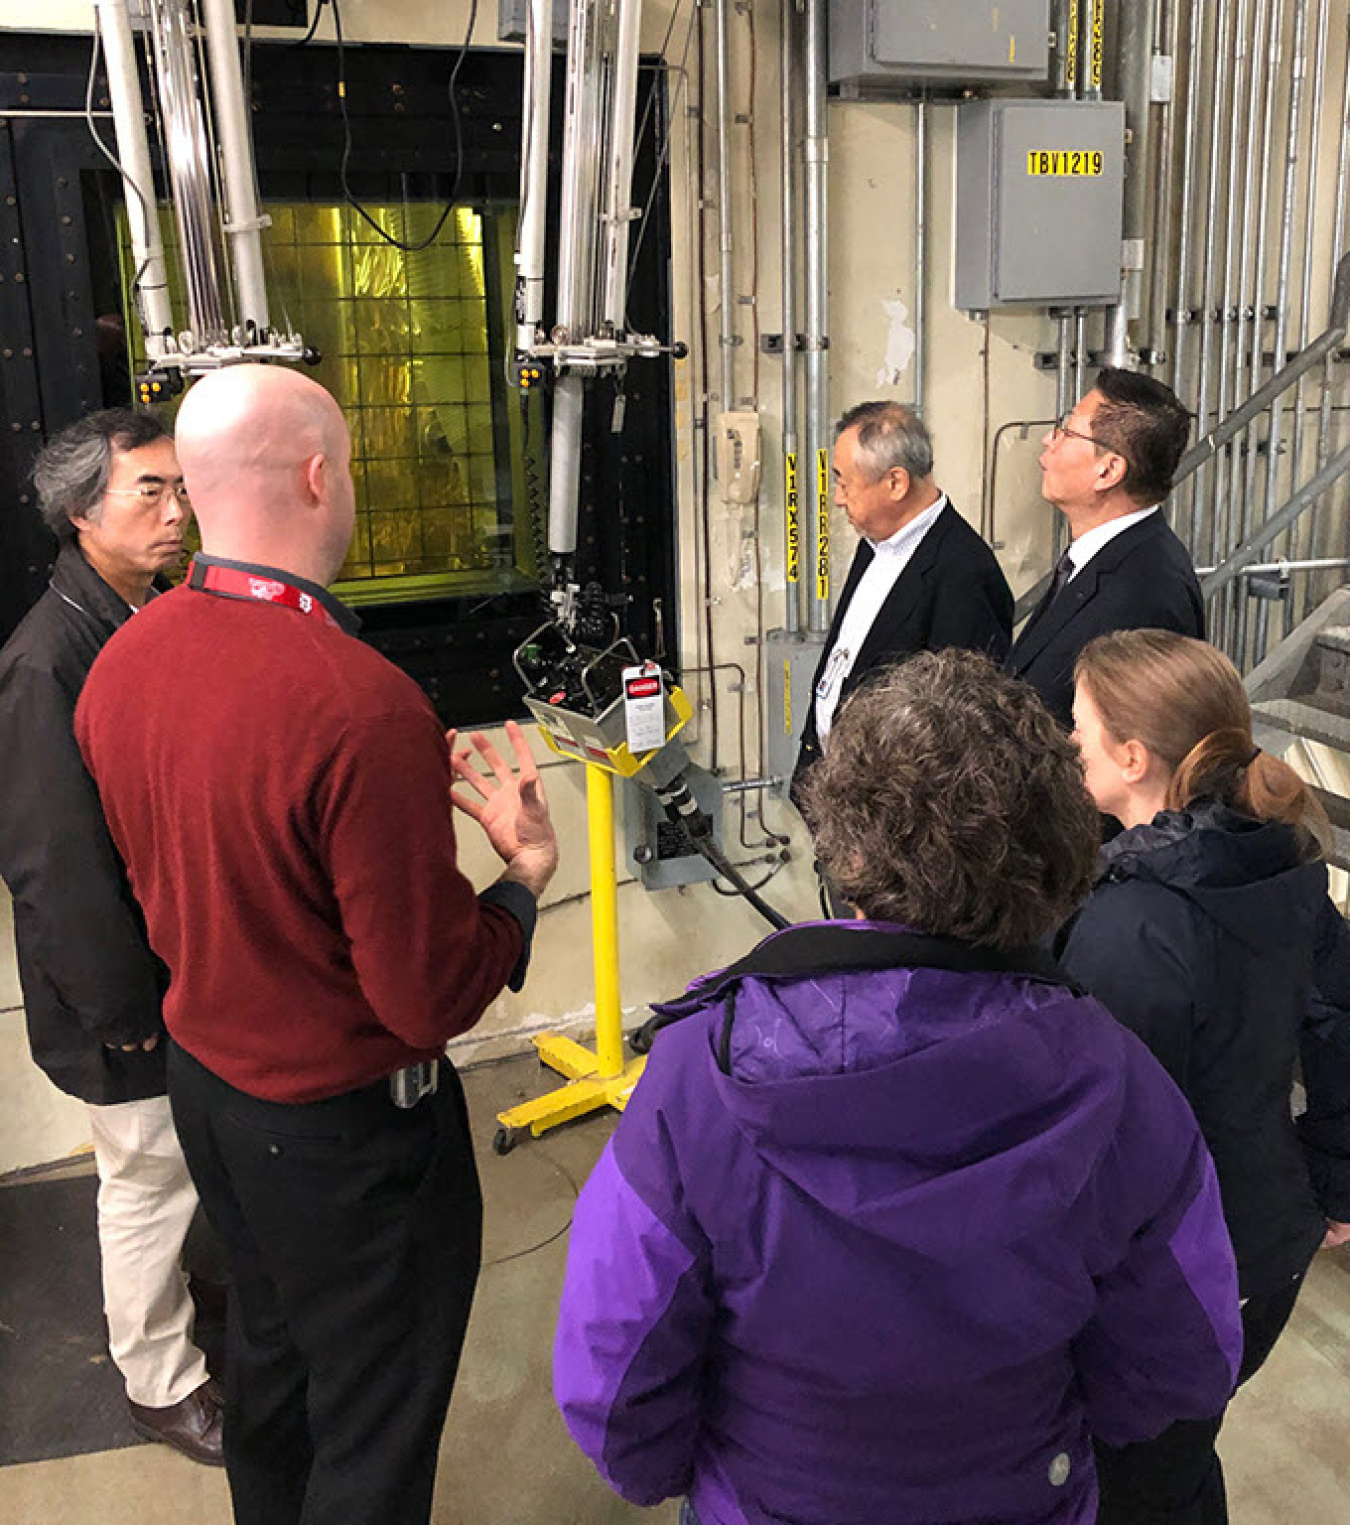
column 1065, row 161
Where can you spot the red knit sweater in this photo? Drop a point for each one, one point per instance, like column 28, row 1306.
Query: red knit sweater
column 280, row 795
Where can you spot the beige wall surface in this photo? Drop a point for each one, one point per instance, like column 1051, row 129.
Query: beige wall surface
column 981, row 383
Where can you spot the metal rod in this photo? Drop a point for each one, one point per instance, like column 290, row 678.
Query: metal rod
column 1170, row 27
column 242, row 223
column 726, row 337
column 1064, row 30
column 1285, row 256
column 1189, row 153
column 788, row 247
column 618, row 208
column 1320, row 523
column 920, row 253
column 1093, row 14
column 133, row 149
column 1257, row 569
column 604, row 923
column 530, row 253
column 189, row 171
column 816, row 155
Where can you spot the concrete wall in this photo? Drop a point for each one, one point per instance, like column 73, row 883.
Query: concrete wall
column 980, row 377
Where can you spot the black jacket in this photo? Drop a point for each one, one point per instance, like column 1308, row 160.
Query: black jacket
column 952, row 593
column 1141, row 580
column 88, row 975
column 1212, row 939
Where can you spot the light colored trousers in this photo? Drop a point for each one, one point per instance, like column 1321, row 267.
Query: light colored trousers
column 146, row 1201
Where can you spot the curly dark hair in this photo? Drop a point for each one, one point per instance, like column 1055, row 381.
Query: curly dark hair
column 950, row 801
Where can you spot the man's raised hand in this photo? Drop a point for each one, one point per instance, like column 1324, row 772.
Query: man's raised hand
column 508, row 804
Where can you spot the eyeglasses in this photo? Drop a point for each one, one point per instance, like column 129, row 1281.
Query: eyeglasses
column 152, row 494
column 1061, row 427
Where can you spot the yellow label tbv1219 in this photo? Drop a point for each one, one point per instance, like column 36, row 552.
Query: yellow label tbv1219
column 1059, row 161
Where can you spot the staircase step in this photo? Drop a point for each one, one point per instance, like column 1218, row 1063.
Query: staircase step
column 1311, row 722
column 1337, row 808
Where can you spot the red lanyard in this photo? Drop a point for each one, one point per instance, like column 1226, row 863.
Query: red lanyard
column 234, row 583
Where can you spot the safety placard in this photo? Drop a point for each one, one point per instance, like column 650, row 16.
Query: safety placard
column 1065, row 161
column 644, row 707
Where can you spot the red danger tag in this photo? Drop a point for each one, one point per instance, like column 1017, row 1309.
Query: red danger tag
column 644, row 707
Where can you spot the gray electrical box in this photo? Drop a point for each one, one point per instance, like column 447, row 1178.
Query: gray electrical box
column 513, row 17
column 883, row 46
column 661, row 854
column 790, row 663
column 1039, row 187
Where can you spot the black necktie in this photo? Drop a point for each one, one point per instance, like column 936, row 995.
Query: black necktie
column 1063, row 572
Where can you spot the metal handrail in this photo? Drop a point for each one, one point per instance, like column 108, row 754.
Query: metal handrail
column 1205, row 449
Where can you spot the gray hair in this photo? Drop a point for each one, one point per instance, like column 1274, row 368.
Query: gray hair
column 71, row 473
column 950, row 801
column 890, row 435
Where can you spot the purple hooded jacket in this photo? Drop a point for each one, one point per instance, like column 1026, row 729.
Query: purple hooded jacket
column 886, row 1245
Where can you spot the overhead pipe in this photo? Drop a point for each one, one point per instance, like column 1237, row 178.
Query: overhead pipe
column 133, row 149
column 243, row 224
column 816, row 156
column 792, row 475
column 1134, row 76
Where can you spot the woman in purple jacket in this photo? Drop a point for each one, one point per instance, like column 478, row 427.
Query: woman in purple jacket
column 898, row 1220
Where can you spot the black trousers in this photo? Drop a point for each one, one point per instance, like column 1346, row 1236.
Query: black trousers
column 353, row 1235
column 1176, row 1478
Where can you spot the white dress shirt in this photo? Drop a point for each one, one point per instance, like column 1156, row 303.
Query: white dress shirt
column 1082, row 550
column 890, row 559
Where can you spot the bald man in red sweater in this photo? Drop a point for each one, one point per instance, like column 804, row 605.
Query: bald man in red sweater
column 281, row 796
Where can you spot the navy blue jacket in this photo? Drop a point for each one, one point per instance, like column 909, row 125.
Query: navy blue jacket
column 1211, row 936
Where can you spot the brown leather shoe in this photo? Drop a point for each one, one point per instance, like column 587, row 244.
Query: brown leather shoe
column 191, row 1426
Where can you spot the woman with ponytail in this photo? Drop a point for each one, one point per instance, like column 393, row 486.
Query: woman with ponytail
column 1209, row 933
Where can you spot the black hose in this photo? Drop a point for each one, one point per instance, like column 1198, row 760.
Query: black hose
column 719, row 860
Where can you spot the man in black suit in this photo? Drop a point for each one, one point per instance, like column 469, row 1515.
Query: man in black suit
column 921, row 579
column 1107, row 466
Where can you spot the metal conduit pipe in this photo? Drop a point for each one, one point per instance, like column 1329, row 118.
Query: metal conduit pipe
column 1092, row 21
column 1189, row 141
column 1221, row 503
column 243, row 225
column 1319, row 531
column 133, row 149
column 726, row 293
column 1066, row 29
column 920, row 253
column 1169, row 28
column 788, row 247
column 1134, row 79
column 1285, row 256
column 1319, row 60
column 1202, row 526
column 816, row 155
column 1063, row 21
column 189, row 172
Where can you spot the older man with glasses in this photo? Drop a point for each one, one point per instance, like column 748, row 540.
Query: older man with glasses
column 112, row 493
column 1107, row 466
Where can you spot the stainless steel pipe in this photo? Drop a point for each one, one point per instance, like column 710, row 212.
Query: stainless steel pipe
column 792, row 475
column 816, row 155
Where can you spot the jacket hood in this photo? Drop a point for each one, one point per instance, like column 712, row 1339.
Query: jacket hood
column 1252, row 877
column 945, row 1109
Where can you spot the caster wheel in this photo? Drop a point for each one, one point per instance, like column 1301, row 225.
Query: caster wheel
column 640, row 1041
column 504, row 1141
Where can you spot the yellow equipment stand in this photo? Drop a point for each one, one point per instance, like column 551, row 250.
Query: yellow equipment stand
column 599, row 1079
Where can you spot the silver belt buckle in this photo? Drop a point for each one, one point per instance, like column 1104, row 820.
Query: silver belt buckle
column 414, row 1081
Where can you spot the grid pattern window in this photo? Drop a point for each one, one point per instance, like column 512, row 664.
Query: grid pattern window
column 411, row 345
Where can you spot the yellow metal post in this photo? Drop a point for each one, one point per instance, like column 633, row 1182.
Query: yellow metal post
column 604, row 922
column 602, row 1078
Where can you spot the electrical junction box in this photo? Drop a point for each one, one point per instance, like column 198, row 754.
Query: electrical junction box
column 790, row 663
column 880, row 47
column 662, row 856
column 1039, row 203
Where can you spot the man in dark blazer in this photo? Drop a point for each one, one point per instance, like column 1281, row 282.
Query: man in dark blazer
column 921, row 578
column 111, row 490
column 1106, row 467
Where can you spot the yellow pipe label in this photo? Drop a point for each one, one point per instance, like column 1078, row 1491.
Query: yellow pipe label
column 1071, row 45
column 823, row 525
column 792, row 511
column 1095, row 62
column 1065, row 161
column 787, row 698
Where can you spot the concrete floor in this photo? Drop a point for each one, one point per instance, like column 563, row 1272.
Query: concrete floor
column 506, row 1459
